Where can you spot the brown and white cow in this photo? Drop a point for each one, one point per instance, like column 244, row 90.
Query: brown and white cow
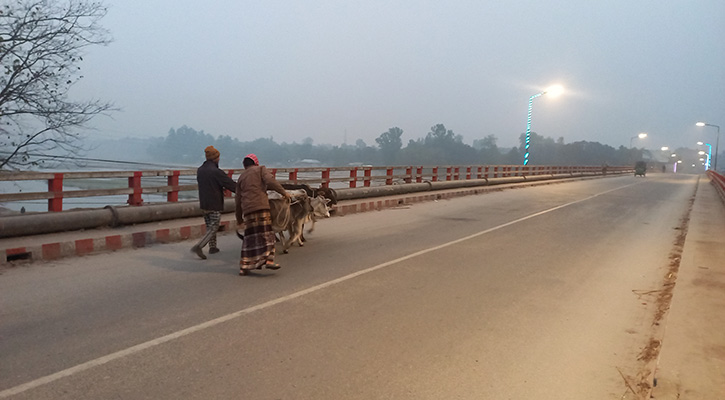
column 321, row 199
column 320, row 209
column 290, row 216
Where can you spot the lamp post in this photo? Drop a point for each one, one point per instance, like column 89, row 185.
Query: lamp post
column 717, row 142
column 703, row 160
column 664, row 149
column 641, row 136
column 709, row 152
column 552, row 91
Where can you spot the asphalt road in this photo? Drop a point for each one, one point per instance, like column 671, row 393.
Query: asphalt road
column 547, row 292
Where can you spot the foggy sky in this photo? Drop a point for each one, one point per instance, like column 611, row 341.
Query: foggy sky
column 340, row 71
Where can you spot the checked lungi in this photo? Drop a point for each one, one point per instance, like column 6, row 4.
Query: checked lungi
column 212, row 220
column 259, row 240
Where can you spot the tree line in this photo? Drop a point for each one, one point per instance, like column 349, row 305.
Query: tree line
column 440, row 146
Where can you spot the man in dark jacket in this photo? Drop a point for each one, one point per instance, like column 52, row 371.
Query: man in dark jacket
column 212, row 182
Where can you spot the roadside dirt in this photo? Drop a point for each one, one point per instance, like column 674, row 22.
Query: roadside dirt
column 643, row 382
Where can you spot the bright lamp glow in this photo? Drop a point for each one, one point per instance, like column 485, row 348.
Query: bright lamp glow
column 642, row 135
column 700, row 124
column 554, row 91
column 664, row 148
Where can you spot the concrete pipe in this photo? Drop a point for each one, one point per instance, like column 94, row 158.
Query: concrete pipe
column 35, row 224
column 378, row 191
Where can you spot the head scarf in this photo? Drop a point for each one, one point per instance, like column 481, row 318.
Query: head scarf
column 253, row 158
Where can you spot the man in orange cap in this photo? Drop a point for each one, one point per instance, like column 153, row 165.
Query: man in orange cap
column 212, row 182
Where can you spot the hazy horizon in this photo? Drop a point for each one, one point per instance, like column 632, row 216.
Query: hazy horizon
column 337, row 72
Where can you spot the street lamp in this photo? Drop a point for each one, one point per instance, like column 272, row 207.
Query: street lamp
column 641, row 136
column 709, row 152
column 552, row 91
column 717, row 142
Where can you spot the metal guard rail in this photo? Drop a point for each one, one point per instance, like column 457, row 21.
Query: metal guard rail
column 718, row 181
column 342, row 177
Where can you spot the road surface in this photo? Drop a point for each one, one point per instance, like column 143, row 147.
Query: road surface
column 548, row 292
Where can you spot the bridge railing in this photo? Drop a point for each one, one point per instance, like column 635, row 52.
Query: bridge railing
column 718, row 181
column 172, row 183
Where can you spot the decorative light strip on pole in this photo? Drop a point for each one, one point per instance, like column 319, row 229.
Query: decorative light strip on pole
column 717, row 142
column 528, row 127
column 552, row 91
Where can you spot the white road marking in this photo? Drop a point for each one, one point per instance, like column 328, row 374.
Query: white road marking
column 184, row 332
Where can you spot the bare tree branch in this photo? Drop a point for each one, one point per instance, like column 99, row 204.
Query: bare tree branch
column 41, row 45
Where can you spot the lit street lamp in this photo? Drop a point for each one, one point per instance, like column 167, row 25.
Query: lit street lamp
column 641, row 136
column 552, row 91
column 717, row 142
column 709, row 152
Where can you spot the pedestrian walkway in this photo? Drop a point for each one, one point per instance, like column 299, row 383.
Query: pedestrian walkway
column 691, row 363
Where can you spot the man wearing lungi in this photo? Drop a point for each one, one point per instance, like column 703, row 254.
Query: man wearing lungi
column 253, row 214
column 212, row 182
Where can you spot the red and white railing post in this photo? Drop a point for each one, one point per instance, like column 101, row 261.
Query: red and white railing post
column 389, row 176
column 134, row 182
column 55, row 186
column 353, row 177
column 173, row 181
column 293, row 175
column 325, row 178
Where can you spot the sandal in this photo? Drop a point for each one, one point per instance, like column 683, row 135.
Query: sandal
column 273, row 266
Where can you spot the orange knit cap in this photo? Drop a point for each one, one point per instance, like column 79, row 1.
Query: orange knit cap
column 211, row 153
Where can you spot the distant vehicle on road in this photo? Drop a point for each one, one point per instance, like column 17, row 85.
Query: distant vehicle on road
column 640, row 168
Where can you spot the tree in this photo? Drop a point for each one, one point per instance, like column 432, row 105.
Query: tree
column 390, row 144
column 438, row 135
column 41, row 45
column 488, row 149
column 183, row 146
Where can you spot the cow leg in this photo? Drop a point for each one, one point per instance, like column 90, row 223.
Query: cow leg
column 312, row 224
column 295, row 233
column 287, row 243
column 282, row 240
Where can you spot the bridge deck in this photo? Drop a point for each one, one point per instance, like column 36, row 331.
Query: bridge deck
column 692, row 359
